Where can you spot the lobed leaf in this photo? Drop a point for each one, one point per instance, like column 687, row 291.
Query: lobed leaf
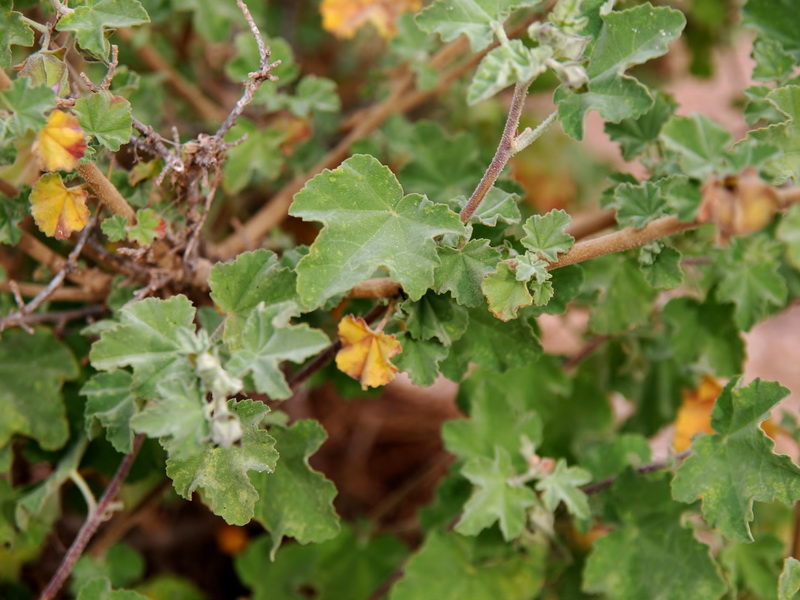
column 57, row 210
column 505, row 293
column 109, row 401
column 13, row 32
column 366, row 354
column 462, row 270
column 700, row 143
column 106, row 117
column 784, row 136
column 434, row 316
column 420, row 359
column 92, row 21
column 27, row 103
column 61, row 143
column 546, row 234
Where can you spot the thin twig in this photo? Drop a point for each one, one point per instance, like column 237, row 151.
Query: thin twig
column 93, row 521
column 599, row 486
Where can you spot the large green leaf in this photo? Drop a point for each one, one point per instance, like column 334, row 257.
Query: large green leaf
column 267, row 340
column 627, row 38
column 107, row 117
column 477, row 19
column 699, row 142
column 451, row 567
column 369, row 224
column 32, row 370
column 775, row 20
column 296, row 501
column 92, row 21
column 13, row 32
column 735, row 466
column 783, row 136
column 155, row 337
column 462, row 270
column 221, row 473
column 650, row 554
column 495, row 498
column 110, row 402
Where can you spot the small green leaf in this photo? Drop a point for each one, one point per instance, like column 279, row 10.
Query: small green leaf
column 106, row 117
column 700, row 143
column 784, row 136
column 13, row 32
column 115, row 228
column 258, row 157
column 634, row 135
column 11, row 213
column 145, row 231
column 28, row 104
column 296, row 501
column 504, row 66
column 154, row 337
column 683, row 196
column 563, row 286
column 434, row 316
column 735, row 466
column 121, row 564
column 477, row 19
column 32, row 406
column 562, row 484
column 627, row 38
column 266, row 340
column 313, row 95
column 789, row 582
column 91, row 22
column 705, row 335
column 505, row 293
column 221, row 473
column 650, row 554
column 462, row 270
column 772, row 63
column 420, row 359
column 661, row 266
column 369, row 224
column 495, row 498
column 546, row 234
column 451, row 567
column 100, row 589
column 637, row 205
column 110, row 402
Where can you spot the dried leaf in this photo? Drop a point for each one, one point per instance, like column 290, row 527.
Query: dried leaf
column 343, row 17
column 694, row 414
column 57, row 209
column 61, row 144
column 365, row 353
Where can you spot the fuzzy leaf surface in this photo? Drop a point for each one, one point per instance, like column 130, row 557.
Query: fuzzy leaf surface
column 783, row 136
column 110, row 402
column 462, row 270
column 637, row 205
column 13, row 32
column 369, row 224
column 699, row 142
column 505, row 293
column 420, row 359
column 106, row 117
column 735, row 466
column 634, row 135
column 222, row 474
column 91, row 22
column 435, row 316
column 296, row 501
column 27, row 103
column 546, row 234
column 562, row 484
column 505, row 66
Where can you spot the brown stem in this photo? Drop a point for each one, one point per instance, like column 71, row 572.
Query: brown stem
column 5, row 80
column 64, row 294
column 106, row 192
column 8, row 190
column 93, row 521
column 586, row 225
column 796, row 534
column 62, row 316
column 787, row 196
column 505, row 149
column 186, row 89
column 88, row 278
column 380, row 287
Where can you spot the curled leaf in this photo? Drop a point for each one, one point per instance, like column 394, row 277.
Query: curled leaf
column 57, row 209
column 61, row 143
column 343, row 17
column 365, row 353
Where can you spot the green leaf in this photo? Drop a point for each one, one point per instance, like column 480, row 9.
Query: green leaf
column 495, row 498
column 565, row 283
column 775, row 20
column 625, row 299
column 237, row 287
column 546, row 234
column 296, row 501
column 477, row 19
column 505, row 293
column 784, row 136
column 494, row 423
column 420, row 359
column 32, row 406
column 637, row 205
column 266, row 340
column 177, row 417
column 735, row 466
column 634, row 135
column 121, row 564
column 91, row 22
column 11, row 213
column 661, row 266
column 451, row 567
column 683, row 196
column 155, row 337
column 789, row 582
column 107, row 117
column 145, row 231
column 562, row 484
column 753, row 567
column 789, row 233
column 611, row 458
column 434, row 316
column 750, row 279
column 650, row 555
column 115, row 228
column 221, row 473
column 368, row 225
column 705, row 335
column 627, row 38
column 506, row 65
column 246, row 59
column 497, row 206
column 462, row 270
column 13, row 32
column 699, row 142
column 257, row 157
column 110, row 402
column 313, row 95
column 100, row 589
column 28, row 104
column 170, row 587
column 493, row 344
column 772, row 63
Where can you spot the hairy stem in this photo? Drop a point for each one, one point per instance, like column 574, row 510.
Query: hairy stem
column 106, row 192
